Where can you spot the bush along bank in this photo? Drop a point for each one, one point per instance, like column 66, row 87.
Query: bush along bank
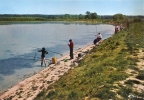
column 112, row 70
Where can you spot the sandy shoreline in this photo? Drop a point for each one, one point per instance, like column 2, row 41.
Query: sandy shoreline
column 29, row 88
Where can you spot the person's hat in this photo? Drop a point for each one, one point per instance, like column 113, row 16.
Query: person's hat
column 43, row 48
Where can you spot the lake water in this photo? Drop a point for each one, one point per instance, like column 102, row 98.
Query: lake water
column 19, row 42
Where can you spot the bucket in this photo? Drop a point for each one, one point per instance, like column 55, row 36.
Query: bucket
column 54, row 60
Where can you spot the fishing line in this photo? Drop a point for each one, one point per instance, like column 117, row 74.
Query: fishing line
column 35, row 55
column 56, row 52
column 96, row 28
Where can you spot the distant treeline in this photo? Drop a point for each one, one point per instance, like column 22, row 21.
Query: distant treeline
column 41, row 17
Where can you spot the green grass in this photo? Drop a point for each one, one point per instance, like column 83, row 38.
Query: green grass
column 98, row 71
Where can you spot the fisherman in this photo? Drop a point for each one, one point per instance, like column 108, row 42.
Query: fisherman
column 44, row 52
column 116, row 29
column 71, row 45
column 98, row 39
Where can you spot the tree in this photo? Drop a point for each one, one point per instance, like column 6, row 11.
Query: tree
column 67, row 16
column 90, row 15
column 119, row 17
column 93, row 15
column 87, row 15
column 81, row 16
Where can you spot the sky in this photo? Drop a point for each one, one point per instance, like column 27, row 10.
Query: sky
column 52, row 7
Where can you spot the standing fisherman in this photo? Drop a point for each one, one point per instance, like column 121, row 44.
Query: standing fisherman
column 71, row 45
column 44, row 52
column 116, row 29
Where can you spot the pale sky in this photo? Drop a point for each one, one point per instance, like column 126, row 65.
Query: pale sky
column 101, row 7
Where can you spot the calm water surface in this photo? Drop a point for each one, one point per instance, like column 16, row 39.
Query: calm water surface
column 19, row 42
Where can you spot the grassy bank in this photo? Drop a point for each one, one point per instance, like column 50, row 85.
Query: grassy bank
column 101, row 73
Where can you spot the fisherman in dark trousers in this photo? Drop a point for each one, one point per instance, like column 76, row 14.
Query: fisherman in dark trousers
column 44, row 52
column 71, row 45
column 98, row 39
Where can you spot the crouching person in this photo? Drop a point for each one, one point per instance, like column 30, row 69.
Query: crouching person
column 98, row 39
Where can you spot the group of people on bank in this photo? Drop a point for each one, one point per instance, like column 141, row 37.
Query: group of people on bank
column 71, row 43
column 71, row 46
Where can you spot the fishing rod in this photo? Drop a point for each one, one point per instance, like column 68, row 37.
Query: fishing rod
column 47, row 60
column 56, row 52
column 35, row 56
column 47, row 50
column 96, row 28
